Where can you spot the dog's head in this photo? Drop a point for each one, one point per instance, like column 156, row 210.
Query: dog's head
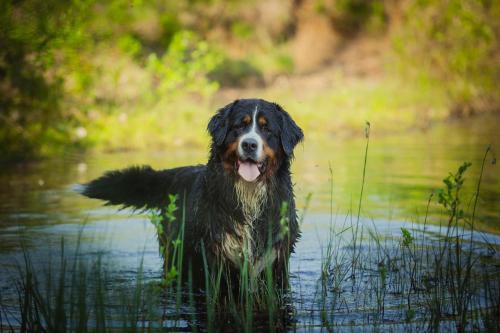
column 254, row 137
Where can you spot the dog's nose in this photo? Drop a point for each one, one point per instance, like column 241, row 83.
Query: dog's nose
column 249, row 145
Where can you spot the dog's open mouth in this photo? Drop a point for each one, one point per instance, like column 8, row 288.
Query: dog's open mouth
column 249, row 169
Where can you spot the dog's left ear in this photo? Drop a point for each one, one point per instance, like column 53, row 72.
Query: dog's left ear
column 218, row 125
column 291, row 133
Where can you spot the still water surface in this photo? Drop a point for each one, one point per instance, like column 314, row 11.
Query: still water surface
column 402, row 171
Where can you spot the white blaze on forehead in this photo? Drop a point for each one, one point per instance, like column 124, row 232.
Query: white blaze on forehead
column 252, row 134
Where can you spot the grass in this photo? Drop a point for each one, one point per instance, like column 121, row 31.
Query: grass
column 413, row 281
column 394, row 105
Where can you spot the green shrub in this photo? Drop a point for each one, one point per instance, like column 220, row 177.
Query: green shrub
column 184, row 65
column 236, row 73
column 454, row 42
column 353, row 16
column 34, row 42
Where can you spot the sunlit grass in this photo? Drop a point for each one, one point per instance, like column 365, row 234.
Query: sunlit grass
column 394, row 106
column 326, row 113
column 169, row 125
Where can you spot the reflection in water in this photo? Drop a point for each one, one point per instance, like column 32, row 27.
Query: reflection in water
column 402, row 172
column 39, row 200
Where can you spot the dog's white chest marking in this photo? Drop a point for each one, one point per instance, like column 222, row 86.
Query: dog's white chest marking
column 251, row 198
column 241, row 245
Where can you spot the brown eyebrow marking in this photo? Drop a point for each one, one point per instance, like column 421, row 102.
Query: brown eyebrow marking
column 247, row 119
column 262, row 121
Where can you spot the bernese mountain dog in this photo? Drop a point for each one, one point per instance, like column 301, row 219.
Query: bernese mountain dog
column 237, row 208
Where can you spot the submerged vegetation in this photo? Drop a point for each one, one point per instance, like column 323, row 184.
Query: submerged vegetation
column 417, row 280
column 127, row 74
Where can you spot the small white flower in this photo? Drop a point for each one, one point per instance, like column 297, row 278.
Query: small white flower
column 80, row 132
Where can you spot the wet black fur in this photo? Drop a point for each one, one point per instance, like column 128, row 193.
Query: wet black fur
column 206, row 192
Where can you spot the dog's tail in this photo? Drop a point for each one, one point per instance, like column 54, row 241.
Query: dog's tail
column 139, row 187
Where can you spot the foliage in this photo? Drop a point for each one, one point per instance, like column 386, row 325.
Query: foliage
column 456, row 44
column 183, row 67
column 284, row 221
column 236, row 73
column 354, row 16
column 170, row 240
column 78, row 74
column 68, row 66
column 358, row 14
column 34, row 46
column 407, row 238
column 449, row 196
column 172, row 85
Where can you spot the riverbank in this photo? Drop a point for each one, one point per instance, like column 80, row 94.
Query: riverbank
column 113, row 77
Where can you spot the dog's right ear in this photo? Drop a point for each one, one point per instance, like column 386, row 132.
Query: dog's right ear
column 291, row 133
column 218, row 125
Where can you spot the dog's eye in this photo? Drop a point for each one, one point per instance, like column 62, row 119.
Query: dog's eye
column 239, row 126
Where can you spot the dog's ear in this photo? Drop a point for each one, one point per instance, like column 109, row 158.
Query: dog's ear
column 218, row 125
column 291, row 134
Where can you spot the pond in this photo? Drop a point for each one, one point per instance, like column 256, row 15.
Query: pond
column 362, row 287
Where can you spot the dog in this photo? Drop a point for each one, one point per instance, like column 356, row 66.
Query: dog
column 237, row 208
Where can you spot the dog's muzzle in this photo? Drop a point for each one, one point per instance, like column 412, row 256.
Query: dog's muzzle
column 250, row 164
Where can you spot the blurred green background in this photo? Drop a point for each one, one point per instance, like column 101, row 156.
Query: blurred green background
column 123, row 74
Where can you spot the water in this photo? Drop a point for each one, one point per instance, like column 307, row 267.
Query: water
column 38, row 204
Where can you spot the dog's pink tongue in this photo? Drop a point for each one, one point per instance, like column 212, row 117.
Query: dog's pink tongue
column 249, row 171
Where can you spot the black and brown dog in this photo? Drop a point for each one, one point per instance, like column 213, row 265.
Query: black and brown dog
column 233, row 205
